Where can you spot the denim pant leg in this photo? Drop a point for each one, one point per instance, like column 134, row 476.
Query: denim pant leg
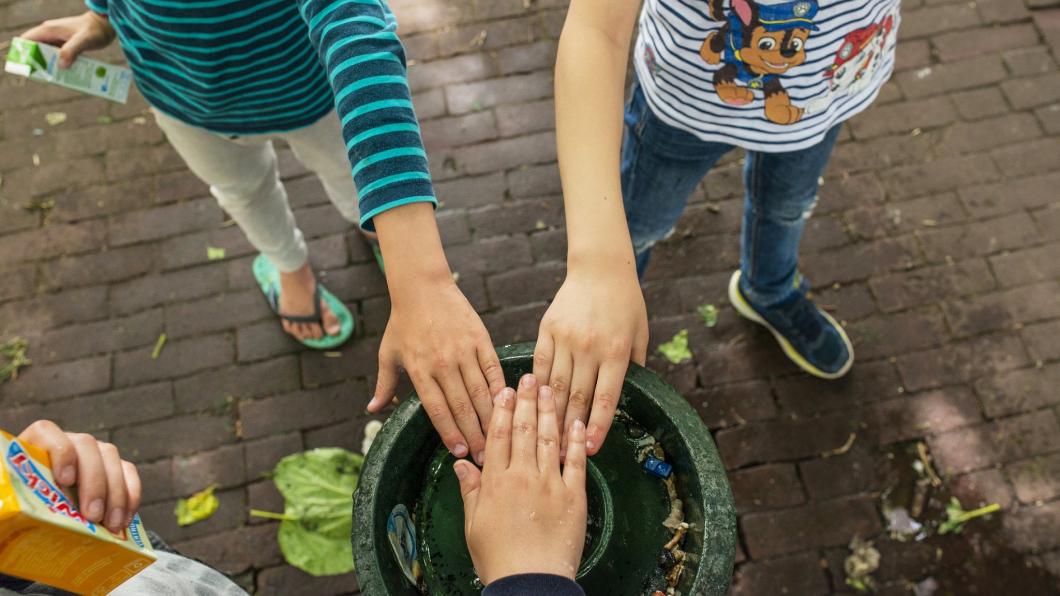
column 780, row 191
column 661, row 166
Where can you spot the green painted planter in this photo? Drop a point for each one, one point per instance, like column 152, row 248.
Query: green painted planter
column 408, row 465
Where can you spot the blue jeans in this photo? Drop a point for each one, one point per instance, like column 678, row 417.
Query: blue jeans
column 662, row 165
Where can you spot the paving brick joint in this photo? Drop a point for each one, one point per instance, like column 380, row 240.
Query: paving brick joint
column 936, row 241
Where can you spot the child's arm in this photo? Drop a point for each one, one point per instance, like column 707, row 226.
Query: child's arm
column 598, row 321
column 433, row 332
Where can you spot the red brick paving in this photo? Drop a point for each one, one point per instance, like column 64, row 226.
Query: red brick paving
column 936, row 241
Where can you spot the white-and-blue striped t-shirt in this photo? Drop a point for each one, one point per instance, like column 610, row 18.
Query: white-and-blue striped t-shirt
column 767, row 76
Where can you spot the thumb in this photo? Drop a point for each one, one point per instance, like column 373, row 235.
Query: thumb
column 386, row 384
column 470, row 479
column 72, row 48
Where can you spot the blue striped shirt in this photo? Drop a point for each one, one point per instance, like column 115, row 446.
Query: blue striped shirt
column 242, row 67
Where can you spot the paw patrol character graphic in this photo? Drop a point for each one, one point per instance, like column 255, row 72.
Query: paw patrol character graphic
column 859, row 56
column 758, row 44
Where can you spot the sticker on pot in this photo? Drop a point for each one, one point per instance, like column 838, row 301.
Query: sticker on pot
column 402, row 534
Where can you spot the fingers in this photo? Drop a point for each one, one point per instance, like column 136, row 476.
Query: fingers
column 438, row 410
column 91, row 477
column 470, row 481
column 491, row 368
column 547, row 431
column 559, row 380
column 47, row 33
column 386, row 383
column 481, row 397
column 605, row 402
column 574, row 466
column 117, row 503
column 524, row 424
column 544, row 354
column 499, row 437
column 133, row 490
column 48, row 436
column 74, row 46
column 581, row 394
column 464, row 413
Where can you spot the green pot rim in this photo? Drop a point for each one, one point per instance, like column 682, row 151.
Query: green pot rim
column 714, row 571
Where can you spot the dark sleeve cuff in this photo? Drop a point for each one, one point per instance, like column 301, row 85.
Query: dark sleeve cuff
column 533, row 584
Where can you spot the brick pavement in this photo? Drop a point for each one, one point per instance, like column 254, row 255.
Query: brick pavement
column 936, row 240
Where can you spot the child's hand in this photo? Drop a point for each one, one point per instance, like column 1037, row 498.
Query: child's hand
column 596, row 325
column 73, row 35
column 108, row 488
column 521, row 493
column 434, row 333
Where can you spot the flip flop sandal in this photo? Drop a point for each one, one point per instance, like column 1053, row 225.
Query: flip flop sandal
column 269, row 281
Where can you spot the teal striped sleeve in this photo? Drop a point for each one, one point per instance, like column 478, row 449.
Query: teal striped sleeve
column 365, row 62
column 97, row 6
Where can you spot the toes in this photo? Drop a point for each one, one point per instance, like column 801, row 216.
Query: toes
column 331, row 322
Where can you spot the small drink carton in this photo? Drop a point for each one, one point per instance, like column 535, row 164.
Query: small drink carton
column 44, row 538
column 40, row 62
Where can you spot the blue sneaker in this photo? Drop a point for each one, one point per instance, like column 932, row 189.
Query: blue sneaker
column 810, row 337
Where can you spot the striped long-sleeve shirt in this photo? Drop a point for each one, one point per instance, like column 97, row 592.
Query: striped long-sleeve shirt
column 242, row 67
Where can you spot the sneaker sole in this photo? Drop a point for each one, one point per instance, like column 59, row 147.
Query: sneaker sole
column 746, row 311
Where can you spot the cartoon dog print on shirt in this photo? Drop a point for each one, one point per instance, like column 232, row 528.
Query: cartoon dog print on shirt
column 758, row 44
column 859, row 56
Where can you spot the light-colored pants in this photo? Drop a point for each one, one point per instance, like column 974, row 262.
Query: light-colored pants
column 243, row 176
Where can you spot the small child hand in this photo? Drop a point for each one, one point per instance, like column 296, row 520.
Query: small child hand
column 521, row 491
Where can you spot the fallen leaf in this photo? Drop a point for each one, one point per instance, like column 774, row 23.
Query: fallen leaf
column 956, row 516
column 709, row 312
column 13, row 357
column 139, row 120
column 676, row 350
column 197, row 507
column 215, row 254
column 155, row 353
column 370, row 431
column 317, row 519
column 55, row 118
column 104, row 119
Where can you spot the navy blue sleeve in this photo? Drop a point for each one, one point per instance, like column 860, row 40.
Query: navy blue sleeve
column 533, row 584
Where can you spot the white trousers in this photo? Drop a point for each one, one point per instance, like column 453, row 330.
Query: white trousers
column 243, row 176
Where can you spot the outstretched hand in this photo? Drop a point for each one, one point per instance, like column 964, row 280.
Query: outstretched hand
column 522, row 492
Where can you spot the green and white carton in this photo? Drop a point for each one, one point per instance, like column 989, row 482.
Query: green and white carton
column 40, row 62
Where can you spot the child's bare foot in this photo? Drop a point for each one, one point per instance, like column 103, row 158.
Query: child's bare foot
column 296, row 299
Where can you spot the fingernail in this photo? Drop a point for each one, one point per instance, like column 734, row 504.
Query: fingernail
column 545, row 392
column 95, row 510
column 527, row 381
column 460, row 450
column 116, row 517
column 480, row 457
column 578, row 426
column 460, row 471
column 503, row 397
column 67, row 475
column 589, row 445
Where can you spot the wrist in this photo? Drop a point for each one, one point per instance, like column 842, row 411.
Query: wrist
column 601, row 260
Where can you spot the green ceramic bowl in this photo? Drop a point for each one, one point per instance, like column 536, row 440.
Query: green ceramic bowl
column 408, row 465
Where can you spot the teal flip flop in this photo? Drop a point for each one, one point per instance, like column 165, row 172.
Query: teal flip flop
column 269, row 281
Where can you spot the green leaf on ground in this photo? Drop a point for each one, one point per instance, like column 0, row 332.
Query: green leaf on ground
column 104, row 119
column 215, row 254
column 155, row 353
column 197, row 507
column 709, row 312
column 956, row 516
column 676, row 350
column 317, row 521
column 12, row 358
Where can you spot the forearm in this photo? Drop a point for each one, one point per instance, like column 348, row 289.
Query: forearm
column 590, row 74
column 412, row 248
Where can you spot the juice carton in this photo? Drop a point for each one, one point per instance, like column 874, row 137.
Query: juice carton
column 40, row 62
column 44, row 538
